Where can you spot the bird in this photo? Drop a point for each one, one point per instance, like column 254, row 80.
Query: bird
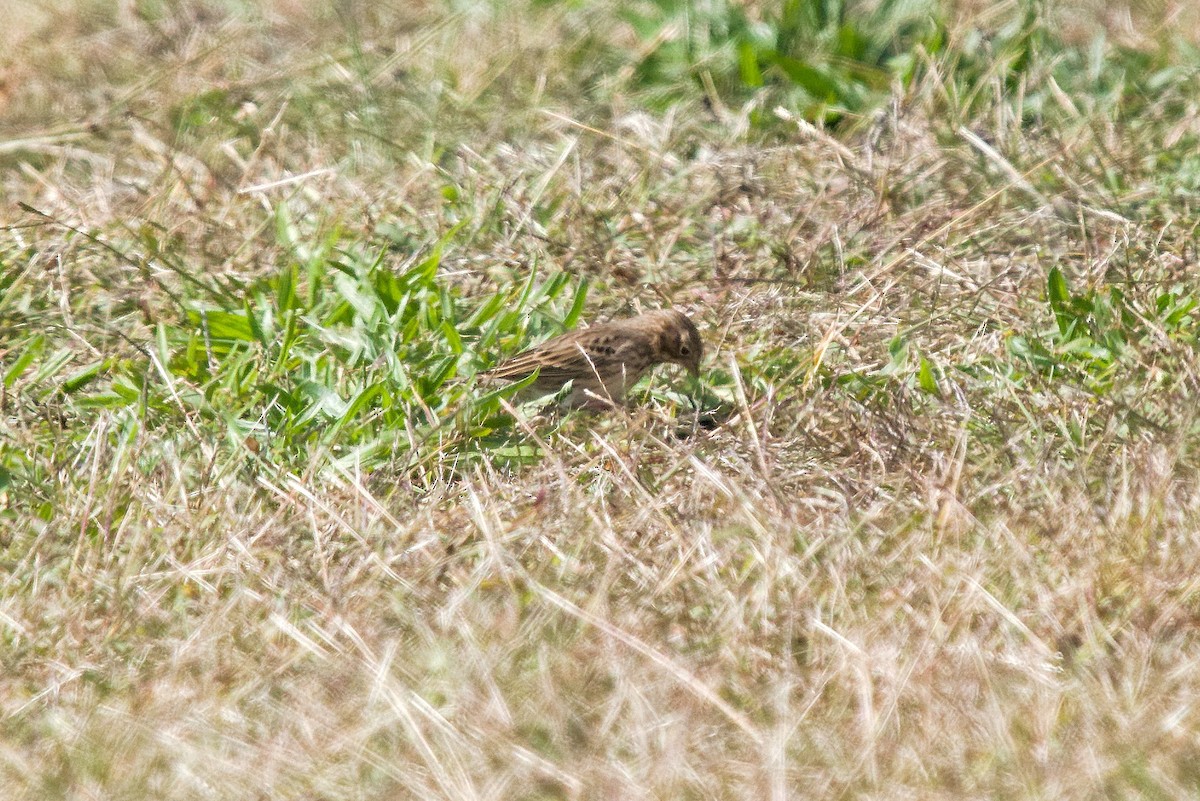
column 603, row 361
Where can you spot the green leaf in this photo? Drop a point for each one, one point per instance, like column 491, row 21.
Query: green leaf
column 23, row 361
column 748, row 65
column 224, row 325
column 164, row 349
column 437, row 375
column 260, row 333
column 83, row 377
column 527, row 290
column 572, row 318
column 1057, row 291
column 52, row 366
column 290, row 335
column 424, row 273
column 487, row 311
column 927, row 380
column 285, row 230
column 360, row 402
column 452, row 337
column 507, row 390
column 285, row 290
column 898, row 351
column 807, row 77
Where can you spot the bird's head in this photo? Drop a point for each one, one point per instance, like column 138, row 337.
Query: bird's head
column 680, row 341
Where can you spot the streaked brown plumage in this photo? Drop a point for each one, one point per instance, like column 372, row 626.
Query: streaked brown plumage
column 605, row 360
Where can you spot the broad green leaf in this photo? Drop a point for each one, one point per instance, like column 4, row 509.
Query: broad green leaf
column 927, row 380
column 748, row 65
column 814, row 81
column 31, row 352
column 487, row 311
column 84, row 376
column 226, row 325
column 52, row 366
column 1059, row 295
column 572, row 318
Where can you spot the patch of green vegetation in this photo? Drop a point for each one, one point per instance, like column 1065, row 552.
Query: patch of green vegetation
column 820, row 58
column 339, row 352
column 1024, row 63
column 1100, row 337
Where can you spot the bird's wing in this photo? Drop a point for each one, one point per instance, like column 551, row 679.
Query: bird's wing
column 571, row 356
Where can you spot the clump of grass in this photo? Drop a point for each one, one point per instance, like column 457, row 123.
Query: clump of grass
column 344, row 353
column 822, row 58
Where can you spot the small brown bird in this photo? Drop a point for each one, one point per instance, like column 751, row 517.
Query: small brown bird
column 605, row 360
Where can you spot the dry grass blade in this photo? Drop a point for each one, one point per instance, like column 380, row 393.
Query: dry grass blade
column 692, row 683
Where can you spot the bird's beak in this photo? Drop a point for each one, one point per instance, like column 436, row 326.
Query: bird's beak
column 693, row 368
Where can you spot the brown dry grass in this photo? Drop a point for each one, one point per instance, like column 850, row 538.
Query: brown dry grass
column 855, row 589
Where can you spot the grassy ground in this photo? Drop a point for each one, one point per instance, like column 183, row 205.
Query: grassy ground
column 261, row 535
